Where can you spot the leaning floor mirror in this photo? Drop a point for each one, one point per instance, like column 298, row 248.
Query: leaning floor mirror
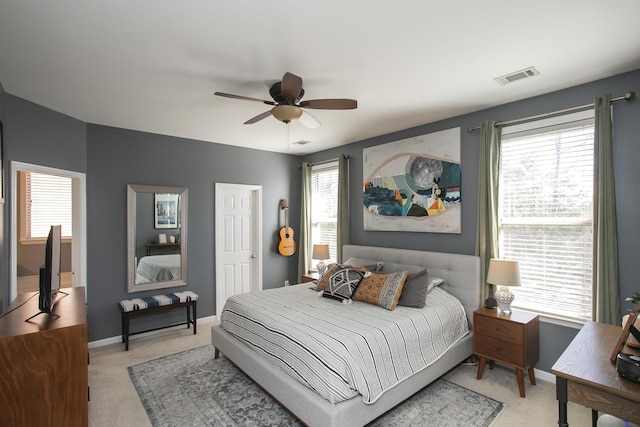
column 157, row 237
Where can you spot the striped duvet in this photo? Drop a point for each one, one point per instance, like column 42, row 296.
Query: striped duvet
column 340, row 350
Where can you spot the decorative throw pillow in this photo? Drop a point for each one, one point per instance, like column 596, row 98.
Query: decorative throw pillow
column 381, row 289
column 369, row 264
column 331, row 268
column 342, row 284
column 433, row 282
column 415, row 289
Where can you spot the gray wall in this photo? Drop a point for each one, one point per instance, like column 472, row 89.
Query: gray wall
column 113, row 158
column 553, row 338
column 144, row 158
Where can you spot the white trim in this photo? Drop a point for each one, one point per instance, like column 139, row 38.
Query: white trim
column 118, row 339
column 79, row 247
column 544, row 376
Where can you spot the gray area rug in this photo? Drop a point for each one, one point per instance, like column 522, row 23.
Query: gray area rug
column 192, row 388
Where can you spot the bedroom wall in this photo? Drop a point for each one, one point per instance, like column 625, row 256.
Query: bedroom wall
column 113, row 157
column 553, row 338
column 36, row 135
column 117, row 157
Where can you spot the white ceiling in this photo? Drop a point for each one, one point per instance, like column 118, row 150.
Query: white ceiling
column 153, row 65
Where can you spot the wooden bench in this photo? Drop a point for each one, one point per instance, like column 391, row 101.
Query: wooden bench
column 146, row 305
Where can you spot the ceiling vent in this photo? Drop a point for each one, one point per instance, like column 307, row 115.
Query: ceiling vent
column 518, row 75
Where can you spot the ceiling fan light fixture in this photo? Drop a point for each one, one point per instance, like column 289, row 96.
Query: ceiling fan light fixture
column 286, row 113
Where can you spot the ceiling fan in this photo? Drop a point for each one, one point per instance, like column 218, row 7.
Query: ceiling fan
column 287, row 104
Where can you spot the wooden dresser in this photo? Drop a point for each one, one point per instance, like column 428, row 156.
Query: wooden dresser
column 45, row 377
column 511, row 339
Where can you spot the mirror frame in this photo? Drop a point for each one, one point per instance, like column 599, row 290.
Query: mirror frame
column 132, row 190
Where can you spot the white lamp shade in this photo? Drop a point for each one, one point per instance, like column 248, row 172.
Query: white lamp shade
column 320, row 252
column 503, row 273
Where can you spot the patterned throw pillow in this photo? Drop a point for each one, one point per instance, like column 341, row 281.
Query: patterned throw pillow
column 342, row 284
column 331, row 268
column 381, row 289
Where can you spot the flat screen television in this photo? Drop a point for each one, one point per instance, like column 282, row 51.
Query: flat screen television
column 50, row 272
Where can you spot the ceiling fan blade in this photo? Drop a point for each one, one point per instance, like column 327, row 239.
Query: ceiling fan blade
column 330, row 104
column 245, row 98
column 258, row 118
column 291, row 86
column 308, row 120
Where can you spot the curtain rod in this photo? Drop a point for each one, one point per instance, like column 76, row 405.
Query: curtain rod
column 627, row 97
column 326, row 161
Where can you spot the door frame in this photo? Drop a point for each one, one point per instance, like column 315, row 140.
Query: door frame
column 79, row 228
column 256, row 238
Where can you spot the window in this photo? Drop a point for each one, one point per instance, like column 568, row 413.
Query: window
column 47, row 201
column 324, row 206
column 545, row 209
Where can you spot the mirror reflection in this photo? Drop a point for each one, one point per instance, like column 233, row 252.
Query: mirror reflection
column 157, row 237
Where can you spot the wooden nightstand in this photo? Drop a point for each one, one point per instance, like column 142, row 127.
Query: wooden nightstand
column 511, row 339
column 309, row 277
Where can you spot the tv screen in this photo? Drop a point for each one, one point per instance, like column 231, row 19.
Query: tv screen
column 50, row 272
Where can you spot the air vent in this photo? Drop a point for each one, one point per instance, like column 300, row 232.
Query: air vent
column 518, row 75
column 302, row 142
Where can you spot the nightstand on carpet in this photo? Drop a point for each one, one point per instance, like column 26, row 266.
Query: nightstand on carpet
column 511, row 339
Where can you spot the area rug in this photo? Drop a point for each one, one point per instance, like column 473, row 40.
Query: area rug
column 191, row 388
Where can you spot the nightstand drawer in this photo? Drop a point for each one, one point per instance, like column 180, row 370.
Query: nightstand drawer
column 496, row 349
column 503, row 330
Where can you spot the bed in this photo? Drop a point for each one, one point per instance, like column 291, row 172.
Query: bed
column 357, row 405
column 158, row 268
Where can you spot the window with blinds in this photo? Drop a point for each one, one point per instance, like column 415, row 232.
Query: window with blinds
column 545, row 208
column 48, row 201
column 324, row 206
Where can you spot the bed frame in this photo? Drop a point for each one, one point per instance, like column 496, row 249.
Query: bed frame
column 462, row 279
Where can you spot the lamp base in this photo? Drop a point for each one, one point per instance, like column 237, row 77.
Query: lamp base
column 321, row 268
column 504, row 298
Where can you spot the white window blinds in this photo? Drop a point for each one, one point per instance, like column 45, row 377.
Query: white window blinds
column 48, row 200
column 546, row 202
column 324, row 206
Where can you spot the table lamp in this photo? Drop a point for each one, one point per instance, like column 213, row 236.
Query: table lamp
column 504, row 274
column 320, row 252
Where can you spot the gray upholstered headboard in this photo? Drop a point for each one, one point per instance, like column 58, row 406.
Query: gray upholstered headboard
column 461, row 272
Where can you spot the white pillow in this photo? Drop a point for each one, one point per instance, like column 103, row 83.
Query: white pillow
column 372, row 265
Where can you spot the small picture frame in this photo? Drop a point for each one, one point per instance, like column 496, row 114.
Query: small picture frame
column 166, row 210
column 162, row 238
column 626, row 330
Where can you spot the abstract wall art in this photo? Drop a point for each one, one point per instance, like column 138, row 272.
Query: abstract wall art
column 414, row 184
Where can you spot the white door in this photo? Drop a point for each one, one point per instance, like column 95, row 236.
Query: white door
column 238, row 231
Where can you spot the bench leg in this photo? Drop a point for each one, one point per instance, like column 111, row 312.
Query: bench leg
column 195, row 318
column 125, row 330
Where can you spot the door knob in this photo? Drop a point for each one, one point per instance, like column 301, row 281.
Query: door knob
column 253, row 256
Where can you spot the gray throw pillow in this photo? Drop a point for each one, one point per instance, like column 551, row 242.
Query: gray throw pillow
column 415, row 289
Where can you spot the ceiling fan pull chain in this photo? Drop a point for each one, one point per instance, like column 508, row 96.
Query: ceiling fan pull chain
column 287, row 125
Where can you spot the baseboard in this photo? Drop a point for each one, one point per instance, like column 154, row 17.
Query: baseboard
column 544, row 376
column 118, row 339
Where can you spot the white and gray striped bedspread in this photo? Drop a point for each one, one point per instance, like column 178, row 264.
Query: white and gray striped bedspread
column 341, row 350
column 156, row 268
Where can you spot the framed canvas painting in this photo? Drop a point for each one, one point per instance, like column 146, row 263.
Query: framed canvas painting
column 414, row 184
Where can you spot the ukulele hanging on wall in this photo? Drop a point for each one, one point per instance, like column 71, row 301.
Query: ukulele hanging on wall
column 287, row 246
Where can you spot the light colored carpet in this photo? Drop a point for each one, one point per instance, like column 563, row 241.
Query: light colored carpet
column 114, row 400
column 192, row 388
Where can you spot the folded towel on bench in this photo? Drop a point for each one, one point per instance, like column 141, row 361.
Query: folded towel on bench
column 157, row 300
